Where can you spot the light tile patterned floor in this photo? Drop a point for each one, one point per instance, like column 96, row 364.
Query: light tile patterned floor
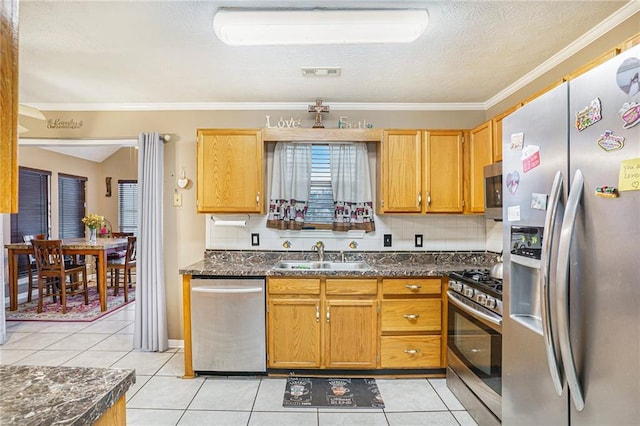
column 161, row 397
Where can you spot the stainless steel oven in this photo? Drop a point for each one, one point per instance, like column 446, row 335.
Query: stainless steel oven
column 474, row 344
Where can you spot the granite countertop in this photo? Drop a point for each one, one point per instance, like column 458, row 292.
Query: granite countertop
column 385, row 264
column 35, row 395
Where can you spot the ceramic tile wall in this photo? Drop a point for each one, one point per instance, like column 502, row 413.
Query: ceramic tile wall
column 494, row 235
column 447, row 233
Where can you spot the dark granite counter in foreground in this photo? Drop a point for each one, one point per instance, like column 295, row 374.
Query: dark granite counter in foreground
column 383, row 264
column 35, row 395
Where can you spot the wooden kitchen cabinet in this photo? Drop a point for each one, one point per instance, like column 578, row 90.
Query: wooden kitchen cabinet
column 293, row 323
column 322, row 323
column 413, row 328
column 443, row 180
column 478, row 153
column 400, row 172
column 230, row 175
column 420, row 171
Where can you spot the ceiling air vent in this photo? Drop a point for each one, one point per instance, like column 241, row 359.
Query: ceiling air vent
column 321, row 72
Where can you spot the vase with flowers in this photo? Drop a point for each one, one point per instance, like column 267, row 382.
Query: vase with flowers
column 93, row 222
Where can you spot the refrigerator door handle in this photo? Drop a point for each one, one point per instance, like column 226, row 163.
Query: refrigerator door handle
column 555, row 366
column 562, row 276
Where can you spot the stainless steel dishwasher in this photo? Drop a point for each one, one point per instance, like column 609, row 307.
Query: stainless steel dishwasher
column 228, row 325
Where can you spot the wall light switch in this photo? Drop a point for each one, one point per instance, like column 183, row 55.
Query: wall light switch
column 418, row 240
column 387, row 240
column 255, row 239
column 177, row 199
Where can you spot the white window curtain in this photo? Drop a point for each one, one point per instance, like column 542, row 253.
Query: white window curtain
column 150, row 330
column 351, row 185
column 290, row 185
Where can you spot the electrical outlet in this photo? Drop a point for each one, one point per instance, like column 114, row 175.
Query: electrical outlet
column 177, row 199
column 255, row 239
column 387, row 240
column 418, row 240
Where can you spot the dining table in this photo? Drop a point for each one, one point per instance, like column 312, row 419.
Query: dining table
column 99, row 248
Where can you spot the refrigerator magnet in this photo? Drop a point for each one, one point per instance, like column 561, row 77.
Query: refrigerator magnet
column 517, row 140
column 530, row 157
column 539, row 201
column 513, row 213
column 609, row 142
column 606, row 192
column 630, row 114
column 628, row 76
column 590, row 115
column 513, row 180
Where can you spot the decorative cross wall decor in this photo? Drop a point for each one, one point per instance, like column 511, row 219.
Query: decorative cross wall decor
column 318, row 108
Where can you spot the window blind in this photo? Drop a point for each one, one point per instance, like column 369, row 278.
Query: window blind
column 128, row 206
column 320, row 208
column 33, row 214
column 71, row 206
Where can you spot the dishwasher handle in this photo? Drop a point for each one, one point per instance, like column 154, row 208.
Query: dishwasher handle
column 222, row 290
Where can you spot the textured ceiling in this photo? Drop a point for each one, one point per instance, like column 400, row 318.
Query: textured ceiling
column 158, row 52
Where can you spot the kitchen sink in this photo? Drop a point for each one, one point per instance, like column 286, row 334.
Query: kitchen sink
column 296, row 265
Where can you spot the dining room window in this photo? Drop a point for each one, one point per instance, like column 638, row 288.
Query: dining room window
column 128, row 206
column 33, row 199
column 71, row 205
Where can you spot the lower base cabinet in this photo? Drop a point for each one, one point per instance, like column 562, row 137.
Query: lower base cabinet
column 354, row 323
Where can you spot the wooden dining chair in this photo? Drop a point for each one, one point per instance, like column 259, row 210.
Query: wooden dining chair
column 32, row 264
column 66, row 280
column 124, row 264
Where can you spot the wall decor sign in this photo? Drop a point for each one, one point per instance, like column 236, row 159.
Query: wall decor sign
column 58, row 123
column 589, row 115
column 282, row 123
column 609, row 142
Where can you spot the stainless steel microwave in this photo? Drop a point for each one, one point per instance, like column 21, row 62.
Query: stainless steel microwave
column 493, row 191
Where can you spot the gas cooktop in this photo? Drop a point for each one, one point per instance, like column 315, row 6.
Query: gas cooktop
column 479, row 278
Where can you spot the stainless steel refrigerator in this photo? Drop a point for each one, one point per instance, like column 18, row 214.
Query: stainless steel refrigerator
column 571, row 217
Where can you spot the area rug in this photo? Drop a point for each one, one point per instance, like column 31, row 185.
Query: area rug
column 76, row 309
column 336, row 393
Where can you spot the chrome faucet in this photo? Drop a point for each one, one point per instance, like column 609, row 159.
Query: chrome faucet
column 319, row 247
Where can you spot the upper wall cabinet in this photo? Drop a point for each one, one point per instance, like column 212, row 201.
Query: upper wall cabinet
column 230, row 175
column 420, row 172
column 478, row 154
column 400, row 172
column 443, row 171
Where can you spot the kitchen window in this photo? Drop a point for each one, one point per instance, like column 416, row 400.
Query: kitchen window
column 326, row 186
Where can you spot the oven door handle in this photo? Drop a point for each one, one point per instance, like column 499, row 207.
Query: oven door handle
column 553, row 359
column 454, row 298
column 562, row 275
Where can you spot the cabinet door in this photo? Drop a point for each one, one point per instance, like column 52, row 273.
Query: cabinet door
column 443, row 172
column 497, row 134
column 400, row 177
column 480, row 147
column 293, row 333
column 351, row 333
column 230, row 171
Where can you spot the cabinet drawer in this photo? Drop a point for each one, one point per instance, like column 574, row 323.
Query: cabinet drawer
column 411, row 315
column 293, row 285
column 412, row 285
column 354, row 286
column 410, row 352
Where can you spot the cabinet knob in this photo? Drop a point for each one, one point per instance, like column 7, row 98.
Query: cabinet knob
column 419, row 199
column 413, row 287
column 428, row 198
column 317, row 313
column 258, row 198
column 328, row 313
column 411, row 316
column 412, row 351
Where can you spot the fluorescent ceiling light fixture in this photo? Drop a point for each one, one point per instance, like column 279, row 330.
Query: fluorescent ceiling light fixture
column 243, row 27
